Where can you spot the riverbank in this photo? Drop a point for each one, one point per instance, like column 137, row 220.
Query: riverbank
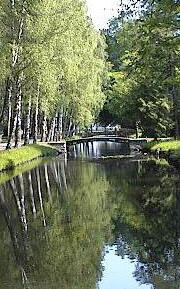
column 170, row 150
column 12, row 158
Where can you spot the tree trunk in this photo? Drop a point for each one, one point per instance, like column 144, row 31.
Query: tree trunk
column 18, row 123
column 91, row 128
column 44, row 129
column 55, row 136
column 5, row 117
column 51, row 131
column 35, row 135
column 28, row 123
column 5, row 101
column 65, row 122
column 172, row 65
column 15, row 126
column 13, row 123
column 69, row 128
column 73, row 130
column 175, row 108
column 77, row 130
column 60, row 125
column 9, row 109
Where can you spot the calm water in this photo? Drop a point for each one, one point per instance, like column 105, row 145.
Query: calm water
column 72, row 224
column 98, row 149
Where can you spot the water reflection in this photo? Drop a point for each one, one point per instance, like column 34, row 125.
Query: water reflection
column 147, row 226
column 97, row 149
column 59, row 222
column 54, row 229
column 118, row 272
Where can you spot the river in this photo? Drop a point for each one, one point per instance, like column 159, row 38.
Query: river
column 91, row 223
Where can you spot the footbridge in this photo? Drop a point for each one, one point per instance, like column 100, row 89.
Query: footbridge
column 117, row 139
column 62, row 146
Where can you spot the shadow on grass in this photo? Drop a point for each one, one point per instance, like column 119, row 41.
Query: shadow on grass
column 10, row 165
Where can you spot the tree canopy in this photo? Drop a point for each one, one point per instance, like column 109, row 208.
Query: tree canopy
column 143, row 50
column 52, row 69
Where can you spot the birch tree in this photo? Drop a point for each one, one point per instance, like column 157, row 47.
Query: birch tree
column 53, row 66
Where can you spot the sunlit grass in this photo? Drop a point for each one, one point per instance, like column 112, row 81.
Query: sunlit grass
column 11, row 158
column 173, row 146
column 167, row 145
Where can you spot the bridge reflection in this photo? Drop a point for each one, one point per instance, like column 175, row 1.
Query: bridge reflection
column 96, row 149
column 117, row 139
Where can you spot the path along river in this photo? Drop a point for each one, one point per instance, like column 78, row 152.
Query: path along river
column 85, row 224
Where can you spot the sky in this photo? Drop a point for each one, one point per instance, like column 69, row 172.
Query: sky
column 118, row 273
column 101, row 11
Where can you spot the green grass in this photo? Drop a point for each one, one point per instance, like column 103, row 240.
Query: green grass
column 12, row 158
column 173, row 146
column 167, row 145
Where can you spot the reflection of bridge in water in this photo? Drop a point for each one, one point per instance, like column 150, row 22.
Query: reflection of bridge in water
column 62, row 146
column 117, row 139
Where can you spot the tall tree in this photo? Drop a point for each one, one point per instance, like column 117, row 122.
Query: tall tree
column 144, row 53
column 52, row 69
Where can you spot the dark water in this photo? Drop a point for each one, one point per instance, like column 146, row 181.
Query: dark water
column 68, row 224
column 98, row 149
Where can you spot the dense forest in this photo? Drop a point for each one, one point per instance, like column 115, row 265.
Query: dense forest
column 58, row 73
column 144, row 54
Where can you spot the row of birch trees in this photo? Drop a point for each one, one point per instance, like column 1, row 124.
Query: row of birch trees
column 52, row 68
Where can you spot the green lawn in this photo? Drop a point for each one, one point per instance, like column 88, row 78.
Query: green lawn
column 172, row 145
column 11, row 158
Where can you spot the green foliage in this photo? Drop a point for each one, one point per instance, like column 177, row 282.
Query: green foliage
column 145, row 59
column 11, row 159
column 53, row 50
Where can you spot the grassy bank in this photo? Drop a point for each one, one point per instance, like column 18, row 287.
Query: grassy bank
column 168, row 149
column 165, row 146
column 11, row 158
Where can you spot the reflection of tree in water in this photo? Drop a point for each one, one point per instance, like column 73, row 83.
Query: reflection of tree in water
column 147, row 221
column 57, row 219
